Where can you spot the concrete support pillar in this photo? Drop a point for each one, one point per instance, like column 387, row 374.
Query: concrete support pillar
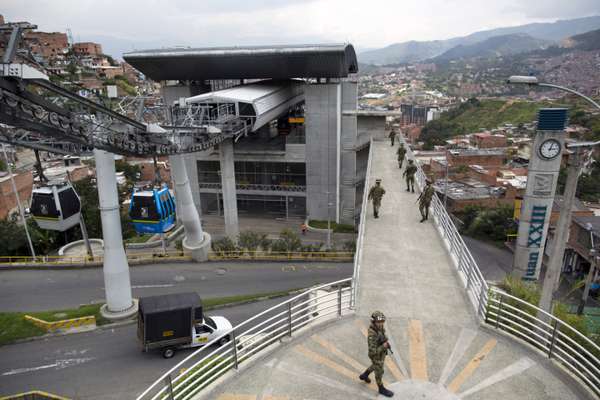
column 229, row 193
column 196, row 241
column 119, row 302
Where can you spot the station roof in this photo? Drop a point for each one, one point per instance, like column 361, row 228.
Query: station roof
column 250, row 62
column 268, row 99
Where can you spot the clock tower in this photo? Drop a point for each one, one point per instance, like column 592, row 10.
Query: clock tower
column 542, row 177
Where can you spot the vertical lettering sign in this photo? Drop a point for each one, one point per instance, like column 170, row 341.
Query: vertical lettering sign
column 534, row 239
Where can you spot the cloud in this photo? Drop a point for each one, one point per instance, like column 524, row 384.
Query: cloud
column 200, row 23
column 557, row 9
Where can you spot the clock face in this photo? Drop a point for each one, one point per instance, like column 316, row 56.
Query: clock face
column 550, row 149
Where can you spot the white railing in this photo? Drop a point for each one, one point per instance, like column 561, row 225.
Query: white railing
column 258, row 334
column 361, row 230
column 557, row 339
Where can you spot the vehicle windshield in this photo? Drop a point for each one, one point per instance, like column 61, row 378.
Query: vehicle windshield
column 208, row 321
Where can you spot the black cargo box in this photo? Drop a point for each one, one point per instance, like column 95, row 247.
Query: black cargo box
column 167, row 319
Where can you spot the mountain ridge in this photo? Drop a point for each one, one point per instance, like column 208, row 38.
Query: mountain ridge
column 415, row 51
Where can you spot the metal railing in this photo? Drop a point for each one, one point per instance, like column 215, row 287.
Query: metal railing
column 361, row 229
column 474, row 283
column 555, row 338
column 256, row 335
column 255, row 186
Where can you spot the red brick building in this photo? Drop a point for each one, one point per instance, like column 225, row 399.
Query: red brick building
column 48, row 45
column 483, row 157
column 87, row 49
column 8, row 202
column 486, row 140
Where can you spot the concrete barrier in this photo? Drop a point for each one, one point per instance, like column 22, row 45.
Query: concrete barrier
column 65, row 325
column 34, row 395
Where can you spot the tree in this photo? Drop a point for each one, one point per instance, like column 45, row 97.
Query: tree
column 90, row 204
column 3, row 165
column 132, row 172
column 493, row 224
column 44, row 241
column 17, row 245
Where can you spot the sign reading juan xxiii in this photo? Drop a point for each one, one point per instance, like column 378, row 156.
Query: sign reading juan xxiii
column 544, row 165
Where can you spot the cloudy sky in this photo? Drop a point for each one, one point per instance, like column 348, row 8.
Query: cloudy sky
column 125, row 25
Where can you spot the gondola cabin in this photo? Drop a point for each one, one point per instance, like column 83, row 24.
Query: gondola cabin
column 152, row 211
column 56, row 208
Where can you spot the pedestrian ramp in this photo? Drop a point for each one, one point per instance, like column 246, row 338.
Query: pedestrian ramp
column 430, row 361
column 441, row 350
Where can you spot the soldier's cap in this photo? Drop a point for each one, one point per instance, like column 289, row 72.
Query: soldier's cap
column 428, row 181
column 410, row 161
column 377, row 316
column 377, row 180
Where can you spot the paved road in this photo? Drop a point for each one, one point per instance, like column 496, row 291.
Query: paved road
column 495, row 263
column 38, row 290
column 103, row 364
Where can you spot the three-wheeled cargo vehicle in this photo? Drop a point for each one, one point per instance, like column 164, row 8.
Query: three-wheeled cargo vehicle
column 172, row 321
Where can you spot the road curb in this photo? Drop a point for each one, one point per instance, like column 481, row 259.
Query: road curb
column 134, row 320
column 133, row 263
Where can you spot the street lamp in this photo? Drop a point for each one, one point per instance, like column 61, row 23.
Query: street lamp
column 533, row 81
column 551, row 279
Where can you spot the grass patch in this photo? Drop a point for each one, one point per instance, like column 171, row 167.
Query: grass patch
column 13, row 325
column 139, row 238
column 209, row 304
column 337, row 228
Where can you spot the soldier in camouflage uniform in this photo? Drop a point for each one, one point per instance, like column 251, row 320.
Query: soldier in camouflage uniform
column 401, row 153
column 376, row 193
column 378, row 349
column 425, row 200
column 392, row 136
column 409, row 173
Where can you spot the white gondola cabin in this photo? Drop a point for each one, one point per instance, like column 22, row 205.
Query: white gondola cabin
column 56, row 208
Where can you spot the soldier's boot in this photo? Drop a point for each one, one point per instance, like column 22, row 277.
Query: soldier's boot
column 365, row 377
column 385, row 392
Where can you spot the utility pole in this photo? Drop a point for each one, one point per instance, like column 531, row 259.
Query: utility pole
column 591, row 273
column 16, row 192
column 561, row 234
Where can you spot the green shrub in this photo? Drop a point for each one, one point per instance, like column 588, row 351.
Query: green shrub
column 251, row 241
column 224, row 245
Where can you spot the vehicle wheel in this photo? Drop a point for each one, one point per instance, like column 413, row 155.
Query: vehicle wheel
column 169, row 352
column 223, row 340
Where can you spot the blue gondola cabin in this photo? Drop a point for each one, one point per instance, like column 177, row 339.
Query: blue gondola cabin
column 152, row 211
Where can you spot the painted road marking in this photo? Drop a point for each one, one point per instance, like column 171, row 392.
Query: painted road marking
column 341, row 355
column 460, row 348
column 319, row 359
column 352, row 391
column 153, row 286
column 418, row 355
column 472, row 366
column 513, row 369
column 59, row 364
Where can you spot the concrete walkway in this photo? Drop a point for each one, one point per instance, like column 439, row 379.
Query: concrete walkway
column 440, row 351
